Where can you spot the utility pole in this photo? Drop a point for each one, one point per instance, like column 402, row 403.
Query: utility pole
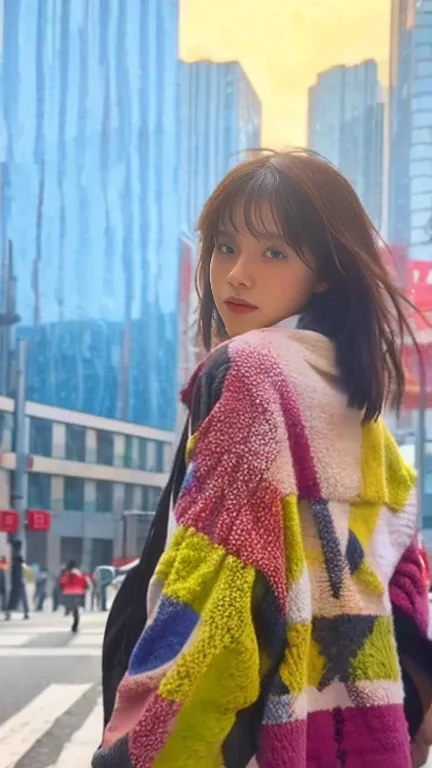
column 19, row 482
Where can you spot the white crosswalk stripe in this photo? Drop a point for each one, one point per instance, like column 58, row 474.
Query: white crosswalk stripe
column 56, row 640
column 22, row 730
column 80, row 749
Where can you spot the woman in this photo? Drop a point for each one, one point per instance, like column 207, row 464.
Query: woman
column 270, row 634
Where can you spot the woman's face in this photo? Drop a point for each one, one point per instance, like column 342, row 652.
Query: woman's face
column 257, row 282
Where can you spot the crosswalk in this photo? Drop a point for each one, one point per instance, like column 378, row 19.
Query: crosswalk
column 43, row 714
column 52, row 717
column 53, row 639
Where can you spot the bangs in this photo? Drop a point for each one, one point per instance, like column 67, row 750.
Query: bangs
column 263, row 202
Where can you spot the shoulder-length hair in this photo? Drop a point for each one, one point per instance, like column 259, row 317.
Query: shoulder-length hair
column 319, row 215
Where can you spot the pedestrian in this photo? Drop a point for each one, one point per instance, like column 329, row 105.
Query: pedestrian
column 18, row 591
column 73, row 585
column 40, row 589
column 103, row 576
column 56, row 590
column 3, row 583
column 285, row 608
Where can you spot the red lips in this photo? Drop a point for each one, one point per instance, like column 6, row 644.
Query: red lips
column 239, row 306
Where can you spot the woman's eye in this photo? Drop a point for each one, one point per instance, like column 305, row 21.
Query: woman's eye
column 224, row 248
column 275, row 254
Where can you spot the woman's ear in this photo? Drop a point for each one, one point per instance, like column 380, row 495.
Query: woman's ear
column 321, row 287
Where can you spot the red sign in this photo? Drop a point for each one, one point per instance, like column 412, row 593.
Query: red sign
column 38, row 520
column 9, row 521
column 419, row 284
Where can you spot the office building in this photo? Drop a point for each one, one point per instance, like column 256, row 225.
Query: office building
column 410, row 181
column 346, row 126
column 220, row 121
column 89, row 191
column 99, row 478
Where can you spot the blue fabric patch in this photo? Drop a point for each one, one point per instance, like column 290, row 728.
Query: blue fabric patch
column 330, row 545
column 189, row 476
column 164, row 638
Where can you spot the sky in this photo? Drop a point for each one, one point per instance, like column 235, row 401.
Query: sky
column 282, row 44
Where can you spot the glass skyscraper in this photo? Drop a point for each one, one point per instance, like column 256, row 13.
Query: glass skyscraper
column 410, row 183
column 346, row 126
column 220, row 120
column 89, row 151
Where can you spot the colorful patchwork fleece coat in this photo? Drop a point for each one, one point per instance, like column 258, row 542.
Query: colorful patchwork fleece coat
column 273, row 603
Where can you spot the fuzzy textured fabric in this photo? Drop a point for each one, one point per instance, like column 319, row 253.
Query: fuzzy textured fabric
column 293, row 526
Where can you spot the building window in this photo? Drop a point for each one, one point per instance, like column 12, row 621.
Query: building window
column 151, row 456
column 150, row 498
column 75, row 443
column 142, row 453
column 102, row 552
column 6, row 431
column 104, row 496
column 39, row 491
column 128, row 451
column 105, row 448
column 40, row 437
column 129, row 497
column 73, row 494
column 159, row 457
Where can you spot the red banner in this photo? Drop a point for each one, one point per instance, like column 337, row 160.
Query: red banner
column 9, row 521
column 38, row 520
column 418, row 284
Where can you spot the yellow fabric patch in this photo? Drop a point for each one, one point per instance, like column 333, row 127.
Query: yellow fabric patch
column 387, row 479
column 190, row 567
column 190, row 447
column 294, row 553
column 314, row 557
column 377, row 659
column 368, row 579
column 363, row 519
column 218, row 672
column 294, row 667
column 317, row 663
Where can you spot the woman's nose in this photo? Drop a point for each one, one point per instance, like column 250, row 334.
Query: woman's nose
column 240, row 274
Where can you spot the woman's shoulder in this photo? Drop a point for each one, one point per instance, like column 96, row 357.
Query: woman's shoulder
column 284, row 353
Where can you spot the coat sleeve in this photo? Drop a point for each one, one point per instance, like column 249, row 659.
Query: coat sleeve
column 411, row 611
column 199, row 663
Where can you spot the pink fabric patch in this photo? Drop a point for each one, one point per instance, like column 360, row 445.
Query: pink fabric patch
column 229, row 495
column 133, row 697
column 150, row 734
column 374, row 737
column 407, row 588
column 283, row 745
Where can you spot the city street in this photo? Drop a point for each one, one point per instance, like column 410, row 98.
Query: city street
column 50, row 708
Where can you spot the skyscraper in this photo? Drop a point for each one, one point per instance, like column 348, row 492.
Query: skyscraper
column 89, row 146
column 220, row 119
column 346, row 126
column 410, row 182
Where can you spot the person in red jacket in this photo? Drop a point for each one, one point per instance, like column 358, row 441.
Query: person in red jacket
column 73, row 585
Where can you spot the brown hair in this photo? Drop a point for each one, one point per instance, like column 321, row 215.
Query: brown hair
column 318, row 213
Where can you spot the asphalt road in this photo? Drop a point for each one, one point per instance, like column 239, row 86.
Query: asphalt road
column 50, row 707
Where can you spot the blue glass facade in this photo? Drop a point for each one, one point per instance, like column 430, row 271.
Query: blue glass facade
column 346, row 125
column 89, row 150
column 411, row 127
column 220, row 119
